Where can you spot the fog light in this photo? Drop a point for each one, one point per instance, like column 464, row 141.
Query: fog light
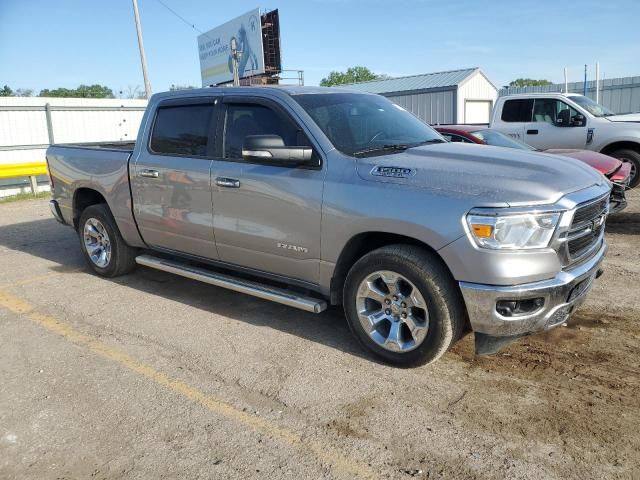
column 509, row 308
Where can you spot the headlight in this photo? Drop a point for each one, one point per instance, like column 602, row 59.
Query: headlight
column 513, row 232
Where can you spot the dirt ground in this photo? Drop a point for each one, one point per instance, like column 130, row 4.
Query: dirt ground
column 154, row 376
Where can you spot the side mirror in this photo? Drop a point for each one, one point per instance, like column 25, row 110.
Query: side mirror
column 270, row 149
column 578, row 120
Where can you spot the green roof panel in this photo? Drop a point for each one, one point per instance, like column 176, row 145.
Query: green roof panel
column 425, row 81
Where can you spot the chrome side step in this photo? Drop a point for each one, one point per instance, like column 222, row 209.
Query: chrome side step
column 249, row 287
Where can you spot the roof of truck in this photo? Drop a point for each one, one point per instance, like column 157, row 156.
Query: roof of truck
column 289, row 89
column 542, row 94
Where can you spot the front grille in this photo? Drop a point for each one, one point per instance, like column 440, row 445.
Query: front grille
column 580, row 245
column 587, row 227
column 590, row 212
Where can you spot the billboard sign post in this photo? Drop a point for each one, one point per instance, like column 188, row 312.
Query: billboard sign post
column 216, row 57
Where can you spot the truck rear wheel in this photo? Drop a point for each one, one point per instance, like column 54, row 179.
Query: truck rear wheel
column 402, row 304
column 632, row 157
column 103, row 247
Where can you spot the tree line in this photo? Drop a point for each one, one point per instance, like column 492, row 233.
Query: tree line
column 83, row 91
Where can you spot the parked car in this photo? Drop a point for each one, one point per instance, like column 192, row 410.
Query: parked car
column 569, row 120
column 312, row 196
column 618, row 172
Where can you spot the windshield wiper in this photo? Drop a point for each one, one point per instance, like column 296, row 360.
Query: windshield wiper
column 397, row 147
column 427, row 142
column 390, row 147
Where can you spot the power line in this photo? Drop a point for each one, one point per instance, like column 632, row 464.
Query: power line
column 180, row 16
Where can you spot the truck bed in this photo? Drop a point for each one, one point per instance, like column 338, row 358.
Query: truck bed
column 102, row 167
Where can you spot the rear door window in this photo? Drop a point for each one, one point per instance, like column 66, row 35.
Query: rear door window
column 182, row 130
column 517, row 110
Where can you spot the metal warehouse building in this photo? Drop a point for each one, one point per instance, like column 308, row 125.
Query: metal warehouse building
column 456, row 96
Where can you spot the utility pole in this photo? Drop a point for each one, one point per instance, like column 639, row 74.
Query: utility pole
column 597, row 82
column 584, row 88
column 143, row 58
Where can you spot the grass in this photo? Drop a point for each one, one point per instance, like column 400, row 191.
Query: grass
column 24, row 196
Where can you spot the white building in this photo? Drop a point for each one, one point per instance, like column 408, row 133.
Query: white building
column 456, row 96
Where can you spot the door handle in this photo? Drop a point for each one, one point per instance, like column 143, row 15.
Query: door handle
column 147, row 172
column 532, row 132
column 227, row 182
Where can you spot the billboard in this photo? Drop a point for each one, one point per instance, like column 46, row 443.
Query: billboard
column 215, row 50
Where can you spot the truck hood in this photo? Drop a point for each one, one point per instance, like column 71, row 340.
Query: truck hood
column 627, row 117
column 497, row 176
column 603, row 163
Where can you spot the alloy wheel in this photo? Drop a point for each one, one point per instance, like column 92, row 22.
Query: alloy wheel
column 392, row 311
column 97, row 243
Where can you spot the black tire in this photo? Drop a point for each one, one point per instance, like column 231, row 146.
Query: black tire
column 123, row 256
column 633, row 157
column 427, row 272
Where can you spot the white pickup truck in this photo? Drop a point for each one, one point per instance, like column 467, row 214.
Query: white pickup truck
column 559, row 120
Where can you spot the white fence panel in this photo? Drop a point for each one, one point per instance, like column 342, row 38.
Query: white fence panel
column 25, row 133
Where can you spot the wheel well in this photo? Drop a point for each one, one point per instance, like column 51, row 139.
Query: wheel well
column 357, row 247
column 83, row 198
column 620, row 145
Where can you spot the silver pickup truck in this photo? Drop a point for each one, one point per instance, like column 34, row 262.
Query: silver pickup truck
column 314, row 196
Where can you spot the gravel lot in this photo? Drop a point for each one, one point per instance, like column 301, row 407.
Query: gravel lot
column 154, row 376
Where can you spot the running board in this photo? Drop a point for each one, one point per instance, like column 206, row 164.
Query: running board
column 266, row 292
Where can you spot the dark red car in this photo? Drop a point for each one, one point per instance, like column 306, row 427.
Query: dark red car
column 616, row 171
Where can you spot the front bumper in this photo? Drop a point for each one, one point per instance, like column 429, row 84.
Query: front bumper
column 618, row 201
column 561, row 294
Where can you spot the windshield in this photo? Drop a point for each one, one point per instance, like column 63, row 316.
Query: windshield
column 498, row 139
column 590, row 106
column 358, row 123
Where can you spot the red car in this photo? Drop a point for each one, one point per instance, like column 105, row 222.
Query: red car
column 616, row 171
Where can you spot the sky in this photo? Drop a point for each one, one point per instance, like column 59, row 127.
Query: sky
column 64, row 43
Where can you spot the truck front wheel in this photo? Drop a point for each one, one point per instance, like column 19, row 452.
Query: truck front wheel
column 101, row 243
column 402, row 303
column 632, row 157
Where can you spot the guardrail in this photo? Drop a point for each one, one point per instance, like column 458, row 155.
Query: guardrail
column 31, row 170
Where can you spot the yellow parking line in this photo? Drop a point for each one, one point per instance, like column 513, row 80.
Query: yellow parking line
column 346, row 466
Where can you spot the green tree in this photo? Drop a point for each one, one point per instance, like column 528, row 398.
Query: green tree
column 23, row 92
column 352, row 75
column 83, row 91
column 57, row 92
column 529, row 82
column 173, row 87
column 6, row 91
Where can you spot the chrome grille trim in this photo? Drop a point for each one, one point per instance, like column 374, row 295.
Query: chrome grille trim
column 585, row 234
column 586, row 213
